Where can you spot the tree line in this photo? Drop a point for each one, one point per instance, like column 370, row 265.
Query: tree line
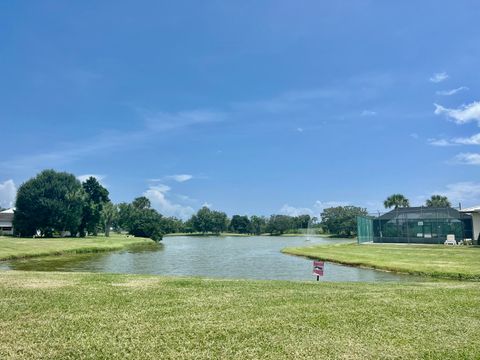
column 58, row 204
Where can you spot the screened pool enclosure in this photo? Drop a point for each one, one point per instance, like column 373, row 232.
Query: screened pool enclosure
column 421, row 225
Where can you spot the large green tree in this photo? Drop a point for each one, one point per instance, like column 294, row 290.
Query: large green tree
column 342, row 220
column 206, row 220
column 240, row 224
column 140, row 220
column 50, row 202
column 396, row 201
column 438, row 201
column 301, row 221
column 258, row 224
column 279, row 224
column 96, row 197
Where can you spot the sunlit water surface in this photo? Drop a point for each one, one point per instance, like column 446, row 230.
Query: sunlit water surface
column 256, row 257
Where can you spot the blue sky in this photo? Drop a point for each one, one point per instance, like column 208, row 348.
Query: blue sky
column 250, row 107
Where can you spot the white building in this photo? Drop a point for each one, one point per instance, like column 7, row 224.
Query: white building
column 6, row 222
column 475, row 212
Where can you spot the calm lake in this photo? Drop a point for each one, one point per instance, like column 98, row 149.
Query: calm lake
column 256, row 257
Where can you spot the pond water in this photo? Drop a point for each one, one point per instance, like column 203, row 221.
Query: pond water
column 256, row 257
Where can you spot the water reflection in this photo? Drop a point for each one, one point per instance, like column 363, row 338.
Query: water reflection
column 215, row 257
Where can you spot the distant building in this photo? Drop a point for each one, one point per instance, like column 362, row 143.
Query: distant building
column 421, row 225
column 6, row 222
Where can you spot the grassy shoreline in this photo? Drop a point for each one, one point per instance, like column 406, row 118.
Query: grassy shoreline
column 459, row 263
column 18, row 248
column 82, row 315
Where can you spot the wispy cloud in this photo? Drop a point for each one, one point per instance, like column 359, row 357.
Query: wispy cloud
column 180, row 177
column 160, row 201
column 466, row 191
column 289, row 101
column 368, row 113
column 452, row 91
column 472, row 140
column 163, row 121
column 462, row 115
column 439, row 142
column 8, row 193
column 315, row 210
column 439, row 77
column 467, row 159
column 153, row 125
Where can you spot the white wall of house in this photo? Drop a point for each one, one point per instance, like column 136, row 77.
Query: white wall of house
column 476, row 226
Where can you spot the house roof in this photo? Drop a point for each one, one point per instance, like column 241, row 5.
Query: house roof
column 421, row 212
column 473, row 209
column 8, row 211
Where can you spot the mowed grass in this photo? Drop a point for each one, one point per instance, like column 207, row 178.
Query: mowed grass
column 102, row 316
column 459, row 262
column 16, row 248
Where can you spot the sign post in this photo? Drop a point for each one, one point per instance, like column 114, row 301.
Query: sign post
column 318, row 267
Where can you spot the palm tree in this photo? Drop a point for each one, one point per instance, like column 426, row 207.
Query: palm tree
column 396, row 200
column 438, row 201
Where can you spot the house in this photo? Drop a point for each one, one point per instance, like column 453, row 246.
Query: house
column 474, row 212
column 421, row 225
column 6, row 222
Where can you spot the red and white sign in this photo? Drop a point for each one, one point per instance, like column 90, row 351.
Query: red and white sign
column 318, row 267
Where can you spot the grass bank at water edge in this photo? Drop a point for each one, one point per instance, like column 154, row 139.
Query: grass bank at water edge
column 16, row 248
column 458, row 262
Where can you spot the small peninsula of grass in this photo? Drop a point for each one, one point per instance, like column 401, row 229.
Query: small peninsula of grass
column 17, row 248
column 105, row 316
column 431, row 260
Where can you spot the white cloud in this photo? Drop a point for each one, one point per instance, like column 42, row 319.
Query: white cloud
column 8, row 192
column 300, row 130
column 439, row 142
column 181, row 177
column 178, row 178
column 99, row 178
column 368, row 113
column 158, row 197
column 315, row 210
column 439, row 77
column 295, row 211
column 163, row 121
column 463, row 114
column 467, row 191
column 472, row 140
column 451, row 91
column 467, row 159
column 414, row 136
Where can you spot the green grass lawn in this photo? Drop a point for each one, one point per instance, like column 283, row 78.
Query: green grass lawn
column 102, row 316
column 15, row 248
column 458, row 262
